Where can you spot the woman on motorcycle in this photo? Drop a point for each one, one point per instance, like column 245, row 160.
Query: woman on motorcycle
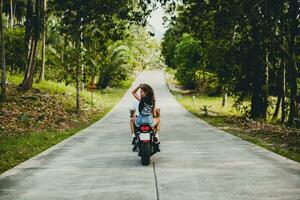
column 147, row 111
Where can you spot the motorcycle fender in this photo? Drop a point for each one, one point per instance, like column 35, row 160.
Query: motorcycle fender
column 145, row 137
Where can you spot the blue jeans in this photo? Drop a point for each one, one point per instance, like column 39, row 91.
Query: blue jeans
column 141, row 119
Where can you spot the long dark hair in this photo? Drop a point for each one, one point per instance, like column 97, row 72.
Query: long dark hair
column 149, row 94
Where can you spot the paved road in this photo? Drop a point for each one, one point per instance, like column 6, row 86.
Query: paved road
column 197, row 162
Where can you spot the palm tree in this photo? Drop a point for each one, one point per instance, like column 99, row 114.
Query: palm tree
column 15, row 9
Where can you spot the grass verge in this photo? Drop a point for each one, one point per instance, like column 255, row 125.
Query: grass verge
column 34, row 121
column 272, row 136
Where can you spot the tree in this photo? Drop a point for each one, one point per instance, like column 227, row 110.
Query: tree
column 14, row 51
column 83, row 19
column 11, row 16
column 15, row 9
column 3, row 65
column 187, row 57
column 264, row 35
column 170, row 40
column 34, row 27
column 292, row 64
column 42, row 69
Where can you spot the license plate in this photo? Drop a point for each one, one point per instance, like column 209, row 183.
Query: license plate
column 144, row 136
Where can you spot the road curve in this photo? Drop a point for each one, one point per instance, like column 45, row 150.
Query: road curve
column 197, row 162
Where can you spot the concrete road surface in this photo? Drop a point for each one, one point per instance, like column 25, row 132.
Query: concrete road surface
column 197, row 162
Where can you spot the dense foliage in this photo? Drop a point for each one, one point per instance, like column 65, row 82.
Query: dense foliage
column 75, row 42
column 251, row 46
column 186, row 57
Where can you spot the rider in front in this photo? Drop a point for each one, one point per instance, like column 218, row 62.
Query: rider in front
column 147, row 111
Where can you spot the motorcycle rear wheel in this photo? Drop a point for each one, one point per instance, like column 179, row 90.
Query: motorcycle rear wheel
column 145, row 153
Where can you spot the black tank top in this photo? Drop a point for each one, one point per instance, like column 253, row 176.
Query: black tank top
column 146, row 106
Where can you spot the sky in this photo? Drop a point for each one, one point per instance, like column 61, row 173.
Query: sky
column 156, row 22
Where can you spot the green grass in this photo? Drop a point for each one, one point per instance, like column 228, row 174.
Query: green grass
column 103, row 98
column 214, row 104
column 16, row 148
column 230, row 119
column 265, row 139
column 261, row 139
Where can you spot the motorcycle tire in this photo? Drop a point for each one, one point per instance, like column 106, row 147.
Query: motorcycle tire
column 145, row 153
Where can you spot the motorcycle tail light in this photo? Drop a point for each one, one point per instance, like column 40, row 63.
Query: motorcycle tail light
column 145, row 128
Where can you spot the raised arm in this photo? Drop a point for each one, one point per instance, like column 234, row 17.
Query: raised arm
column 134, row 92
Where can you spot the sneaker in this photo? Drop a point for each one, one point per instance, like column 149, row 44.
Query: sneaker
column 133, row 141
column 156, row 139
column 134, row 149
column 156, row 148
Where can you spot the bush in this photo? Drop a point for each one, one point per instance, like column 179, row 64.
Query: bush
column 187, row 56
column 205, row 109
column 15, row 49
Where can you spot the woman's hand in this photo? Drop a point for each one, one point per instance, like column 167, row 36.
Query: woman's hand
column 134, row 92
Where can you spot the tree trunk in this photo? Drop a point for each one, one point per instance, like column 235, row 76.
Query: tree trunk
column 27, row 85
column 78, row 75
column 224, row 100
column 204, row 78
column 257, row 106
column 3, row 64
column 265, row 87
column 259, row 99
column 82, row 77
column 282, row 72
column 42, row 70
column 11, row 16
column 28, row 62
column 11, row 68
column 292, row 65
column 14, row 13
column 283, row 112
column 259, row 58
column 293, row 86
column 35, row 36
column 277, row 108
column 27, row 37
column 28, row 25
